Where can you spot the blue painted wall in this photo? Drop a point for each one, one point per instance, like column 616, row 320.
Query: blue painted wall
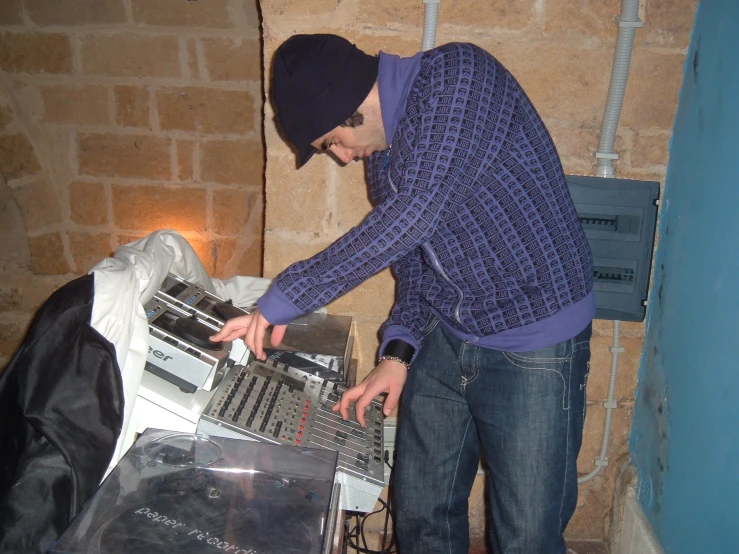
column 685, row 435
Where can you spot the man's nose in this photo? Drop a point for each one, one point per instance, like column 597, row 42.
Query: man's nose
column 344, row 154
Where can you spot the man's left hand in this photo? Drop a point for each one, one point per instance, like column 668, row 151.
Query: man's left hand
column 252, row 327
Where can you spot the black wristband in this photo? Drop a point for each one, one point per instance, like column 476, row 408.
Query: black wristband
column 399, row 349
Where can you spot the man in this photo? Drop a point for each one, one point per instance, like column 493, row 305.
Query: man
column 488, row 339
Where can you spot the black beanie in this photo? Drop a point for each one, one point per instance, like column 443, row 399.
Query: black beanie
column 318, row 82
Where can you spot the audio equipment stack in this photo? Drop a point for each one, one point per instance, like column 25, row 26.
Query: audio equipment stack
column 276, row 403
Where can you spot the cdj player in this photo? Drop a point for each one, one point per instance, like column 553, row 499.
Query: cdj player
column 317, row 343
column 180, row 350
column 194, row 299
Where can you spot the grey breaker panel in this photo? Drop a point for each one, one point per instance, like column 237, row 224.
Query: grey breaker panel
column 619, row 217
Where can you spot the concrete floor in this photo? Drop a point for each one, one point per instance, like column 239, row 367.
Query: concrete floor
column 574, row 547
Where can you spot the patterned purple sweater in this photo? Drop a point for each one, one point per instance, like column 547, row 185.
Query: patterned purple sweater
column 471, row 210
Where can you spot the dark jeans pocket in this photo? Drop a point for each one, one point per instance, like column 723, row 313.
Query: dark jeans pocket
column 431, row 322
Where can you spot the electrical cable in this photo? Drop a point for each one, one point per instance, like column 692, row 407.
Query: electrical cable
column 352, row 536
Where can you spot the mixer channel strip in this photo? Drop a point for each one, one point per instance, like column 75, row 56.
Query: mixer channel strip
column 272, row 402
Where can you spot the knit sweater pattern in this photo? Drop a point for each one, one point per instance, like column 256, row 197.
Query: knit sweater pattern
column 472, row 210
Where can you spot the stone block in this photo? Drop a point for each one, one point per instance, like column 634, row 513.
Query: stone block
column 176, row 13
column 75, row 104
column 35, row 53
column 595, row 497
column 230, row 59
column 11, row 338
column 88, row 204
column 251, row 9
column 6, row 117
column 650, row 150
column 652, row 91
column 88, row 249
column 352, row 198
column 593, row 509
column 235, row 257
column 17, row 157
column 600, row 367
column 390, row 13
column 250, row 261
column 128, row 238
column 132, row 106
column 297, row 9
column 14, row 243
column 133, row 156
column 75, row 12
column 38, row 288
column 399, row 45
column 150, row 208
column 130, row 55
column 374, row 298
column 476, row 510
column 593, row 434
column 233, row 209
column 576, row 100
column 501, row 14
column 365, row 345
column 280, row 250
column 298, row 200
column 206, row 252
column 578, row 142
column 192, row 59
column 276, row 144
column 48, row 255
column 39, row 204
column 232, row 162
column 630, row 329
column 11, row 298
column 215, row 255
column 588, row 19
column 207, row 110
column 185, row 159
column 11, row 12
column 668, row 22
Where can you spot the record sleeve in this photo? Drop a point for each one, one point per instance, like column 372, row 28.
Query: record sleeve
column 184, row 493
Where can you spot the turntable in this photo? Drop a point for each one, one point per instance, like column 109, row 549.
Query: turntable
column 186, row 493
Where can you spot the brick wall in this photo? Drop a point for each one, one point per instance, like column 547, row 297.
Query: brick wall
column 561, row 51
column 117, row 118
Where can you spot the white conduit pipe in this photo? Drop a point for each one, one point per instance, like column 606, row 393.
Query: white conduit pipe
column 430, row 17
column 610, row 405
column 628, row 21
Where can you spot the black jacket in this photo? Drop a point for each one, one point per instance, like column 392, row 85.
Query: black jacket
column 61, row 411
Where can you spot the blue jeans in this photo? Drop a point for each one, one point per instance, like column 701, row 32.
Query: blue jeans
column 525, row 409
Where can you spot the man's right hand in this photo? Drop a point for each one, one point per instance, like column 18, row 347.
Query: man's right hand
column 388, row 377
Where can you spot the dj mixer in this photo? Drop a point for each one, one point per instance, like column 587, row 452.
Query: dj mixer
column 277, row 403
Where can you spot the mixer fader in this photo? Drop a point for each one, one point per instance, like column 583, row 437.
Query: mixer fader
column 273, row 402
